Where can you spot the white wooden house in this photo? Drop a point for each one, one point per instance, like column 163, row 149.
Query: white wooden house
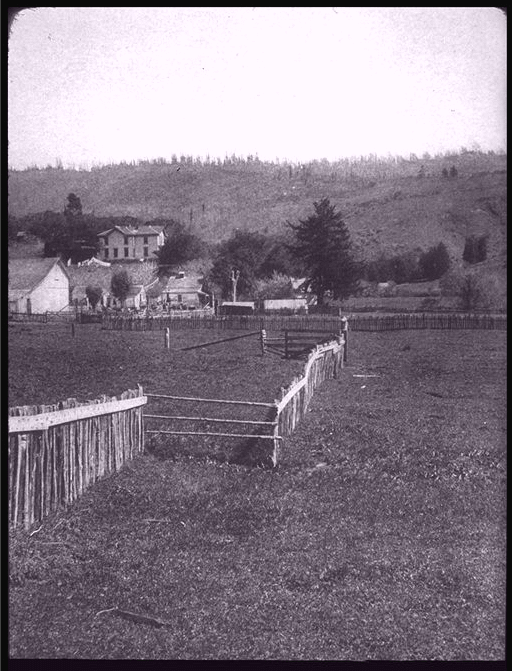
column 38, row 285
column 127, row 243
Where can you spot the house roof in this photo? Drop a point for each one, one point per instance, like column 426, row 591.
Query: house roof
column 26, row 274
column 97, row 276
column 145, row 229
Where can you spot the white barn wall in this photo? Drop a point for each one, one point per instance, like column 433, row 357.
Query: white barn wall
column 51, row 295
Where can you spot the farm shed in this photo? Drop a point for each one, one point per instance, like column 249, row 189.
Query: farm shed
column 237, row 308
column 183, row 289
column 38, row 285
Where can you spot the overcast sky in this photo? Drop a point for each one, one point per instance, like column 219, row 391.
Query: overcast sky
column 91, row 85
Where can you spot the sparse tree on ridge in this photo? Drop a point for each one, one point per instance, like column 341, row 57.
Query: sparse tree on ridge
column 73, row 207
column 322, row 243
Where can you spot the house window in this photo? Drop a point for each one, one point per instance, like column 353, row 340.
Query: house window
column 106, row 252
column 146, row 251
column 126, row 252
column 115, row 252
column 146, row 240
column 125, row 239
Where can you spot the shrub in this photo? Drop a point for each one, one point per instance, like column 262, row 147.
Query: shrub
column 435, row 262
column 475, row 249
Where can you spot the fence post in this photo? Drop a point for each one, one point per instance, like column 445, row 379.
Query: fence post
column 286, row 343
column 168, row 338
column 263, row 342
column 72, row 329
column 276, row 440
column 344, row 333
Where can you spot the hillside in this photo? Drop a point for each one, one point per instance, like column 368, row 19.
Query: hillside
column 386, row 206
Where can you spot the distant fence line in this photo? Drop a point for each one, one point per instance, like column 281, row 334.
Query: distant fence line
column 327, row 323
column 56, row 451
column 42, row 317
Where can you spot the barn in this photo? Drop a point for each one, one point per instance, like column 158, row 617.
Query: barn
column 38, row 285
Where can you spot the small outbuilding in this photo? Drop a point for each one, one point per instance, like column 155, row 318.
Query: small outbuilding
column 237, row 308
column 183, row 290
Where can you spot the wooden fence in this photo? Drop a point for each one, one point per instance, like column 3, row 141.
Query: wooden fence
column 427, row 321
column 324, row 362
column 43, row 317
column 326, row 323
column 56, row 451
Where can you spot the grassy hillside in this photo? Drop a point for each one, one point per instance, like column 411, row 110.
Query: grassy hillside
column 386, row 206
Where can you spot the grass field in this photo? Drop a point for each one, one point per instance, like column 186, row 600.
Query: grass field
column 381, row 534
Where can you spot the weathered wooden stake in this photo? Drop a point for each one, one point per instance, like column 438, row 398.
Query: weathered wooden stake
column 72, row 329
column 345, row 334
column 168, row 338
column 263, row 342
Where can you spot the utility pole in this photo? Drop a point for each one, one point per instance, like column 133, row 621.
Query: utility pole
column 235, row 274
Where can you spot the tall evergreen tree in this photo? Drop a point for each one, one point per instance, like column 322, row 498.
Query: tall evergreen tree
column 322, row 243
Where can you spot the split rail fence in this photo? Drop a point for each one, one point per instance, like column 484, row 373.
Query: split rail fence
column 326, row 323
column 56, row 451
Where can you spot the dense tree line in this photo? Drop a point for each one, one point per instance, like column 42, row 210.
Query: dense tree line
column 410, row 266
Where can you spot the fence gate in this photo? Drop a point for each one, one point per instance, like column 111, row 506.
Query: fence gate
column 204, row 425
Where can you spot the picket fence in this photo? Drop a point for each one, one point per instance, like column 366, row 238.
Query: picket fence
column 324, row 362
column 327, row 323
column 56, row 451
column 43, row 317
column 427, row 321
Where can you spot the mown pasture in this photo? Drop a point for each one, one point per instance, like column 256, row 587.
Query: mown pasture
column 380, row 535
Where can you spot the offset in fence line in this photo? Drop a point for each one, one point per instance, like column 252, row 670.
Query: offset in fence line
column 325, row 361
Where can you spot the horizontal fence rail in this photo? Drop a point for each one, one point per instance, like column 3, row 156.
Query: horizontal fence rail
column 55, row 452
column 319, row 322
column 215, row 420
